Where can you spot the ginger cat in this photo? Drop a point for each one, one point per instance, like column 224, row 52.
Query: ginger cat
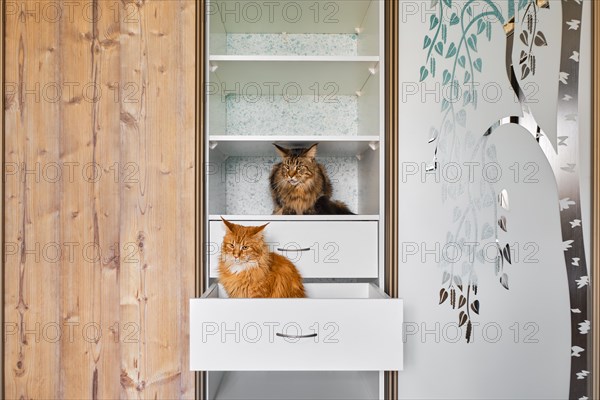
column 248, row 269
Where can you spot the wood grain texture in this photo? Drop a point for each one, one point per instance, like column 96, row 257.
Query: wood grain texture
column 32, row 142
column 105, row 95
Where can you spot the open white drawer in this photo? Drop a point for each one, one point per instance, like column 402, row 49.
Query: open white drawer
column 339, row 327
column 319, row 249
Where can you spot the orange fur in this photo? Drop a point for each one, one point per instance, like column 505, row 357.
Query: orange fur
column 248, row 269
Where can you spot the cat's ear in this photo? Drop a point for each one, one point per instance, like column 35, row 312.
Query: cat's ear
column 256, row 229
column 283, row 153
column 311, row 152
column 229, row 225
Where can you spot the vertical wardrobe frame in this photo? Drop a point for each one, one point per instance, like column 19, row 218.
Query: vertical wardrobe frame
column 391, row 9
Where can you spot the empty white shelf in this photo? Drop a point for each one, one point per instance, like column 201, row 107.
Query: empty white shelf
column 251, row 145
column 292, row 75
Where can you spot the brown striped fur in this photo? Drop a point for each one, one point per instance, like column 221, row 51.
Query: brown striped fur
column 248, row 269
column 300, row 185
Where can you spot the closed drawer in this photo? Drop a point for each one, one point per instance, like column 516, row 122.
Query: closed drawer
column 319, row 249
column 339, row 327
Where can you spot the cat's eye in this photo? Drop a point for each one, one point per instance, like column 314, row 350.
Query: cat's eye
column 230, row 245
column 244, row 247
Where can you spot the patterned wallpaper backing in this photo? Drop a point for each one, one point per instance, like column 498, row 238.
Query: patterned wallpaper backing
column 303, row 44
column 306, row 116
column 247, row 183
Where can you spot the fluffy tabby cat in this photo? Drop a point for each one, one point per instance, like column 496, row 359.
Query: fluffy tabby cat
column 300, row 185
column 248, row 269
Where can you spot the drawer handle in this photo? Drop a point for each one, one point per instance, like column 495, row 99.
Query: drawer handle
column 283, row 335
column 305, row 249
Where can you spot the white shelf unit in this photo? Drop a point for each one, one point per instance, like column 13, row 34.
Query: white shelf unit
column 297, row 73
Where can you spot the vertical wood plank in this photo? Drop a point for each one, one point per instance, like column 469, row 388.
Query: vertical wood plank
column 106, row 126
column 186, row 145
column 77, row 270
column 31, row 227
column 134, row 203
column 150, row 134
column 164, row 331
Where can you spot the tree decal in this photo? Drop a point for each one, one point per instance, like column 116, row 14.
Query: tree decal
column 459, row 282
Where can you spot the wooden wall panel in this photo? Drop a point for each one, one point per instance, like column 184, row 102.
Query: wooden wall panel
column 32, row 201
column 121, row 132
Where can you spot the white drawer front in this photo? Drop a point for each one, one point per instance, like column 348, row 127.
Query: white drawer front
column 319, row 249
column 242, row 334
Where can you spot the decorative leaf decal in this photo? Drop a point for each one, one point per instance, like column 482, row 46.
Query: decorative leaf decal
column 443, row 295
column 423, row 73
column 455, row 20
column 487, row 231
column 478, row 64
column 469, row 331
column 524, row 38
column 462, row 318
column 439, row 47
column 475, row 306
column 461, row 61
column 445, row 277
column 502, row 223
column 433, row 21
column 481, row 25
column 432, row 66
column 504, row 281
column 523, row 57
column 426, row 42
column 462, row 301
column 445, row 77
column 540, row 39
column 444, row 33
column 445, row 104
column 467, row 77
column 472, row 42
column 503, row 199
column 506, row 253
column 461, row 119
column 467, row 97
column 525, row 70
column 451, row 51
column 498, row 264
column 448, row 3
